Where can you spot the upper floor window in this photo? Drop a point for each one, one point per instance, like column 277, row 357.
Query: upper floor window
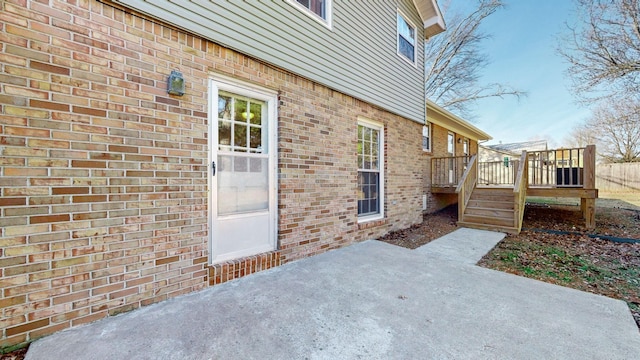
column 451, row 145
column 318, row 9
column 406, row 39
column 426, row 137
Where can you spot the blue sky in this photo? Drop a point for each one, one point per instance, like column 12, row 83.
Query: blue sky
column 522, row 52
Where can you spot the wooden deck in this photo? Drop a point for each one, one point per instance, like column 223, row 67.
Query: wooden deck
column 549, row 173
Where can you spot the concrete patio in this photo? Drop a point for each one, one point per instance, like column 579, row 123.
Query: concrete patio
column 370, row 300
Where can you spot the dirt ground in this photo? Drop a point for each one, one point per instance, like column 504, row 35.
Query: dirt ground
column 15, row 355
column 555, row 247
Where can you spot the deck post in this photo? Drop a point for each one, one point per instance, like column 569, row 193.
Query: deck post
column 588, row 205
column 589, row 158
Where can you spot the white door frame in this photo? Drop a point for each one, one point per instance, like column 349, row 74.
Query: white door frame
column 223, row 83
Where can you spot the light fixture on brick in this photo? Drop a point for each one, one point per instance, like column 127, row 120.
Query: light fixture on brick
column 175, row 84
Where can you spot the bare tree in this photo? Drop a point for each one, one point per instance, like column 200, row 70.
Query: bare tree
column 615, row 129
column 603, row 48
column 454, row 61
column 580, row 136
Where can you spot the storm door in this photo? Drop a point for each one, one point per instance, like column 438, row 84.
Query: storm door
column 242, row 172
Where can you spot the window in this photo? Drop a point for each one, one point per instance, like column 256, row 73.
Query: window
column 370, row 171
column 451, row 146
column 426, row 137
column 318, row 9
column 406, row 39
column 451, row 150
column 465, row 152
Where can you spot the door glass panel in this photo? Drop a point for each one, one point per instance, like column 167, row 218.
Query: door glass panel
column 242, row 175
column 240, row 130
column 255, row 116
column 224, row 107
column 243, row 188
column 240, row 110
column 224, row 133
column 240, row 137
column 255, row 138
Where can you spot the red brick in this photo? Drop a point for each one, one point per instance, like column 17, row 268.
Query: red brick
column 167, row 260
column 89, row 198
column 69, row 190
column 88, row 164
column 6, row 201
column 49, row 68
column 48, row 105
column 27, row 327
column 123, row 149
column 48, row 218
column 89, row 111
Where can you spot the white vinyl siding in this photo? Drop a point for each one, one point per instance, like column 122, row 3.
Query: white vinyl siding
column 281, row 34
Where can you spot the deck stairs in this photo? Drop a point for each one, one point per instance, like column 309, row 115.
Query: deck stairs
column 491, row 208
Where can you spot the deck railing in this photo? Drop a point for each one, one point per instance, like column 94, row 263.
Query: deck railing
column 497, row 172
column 555, row 173
column 560, row 167
column 448, row 171
column 554, row 169
column 467, row 184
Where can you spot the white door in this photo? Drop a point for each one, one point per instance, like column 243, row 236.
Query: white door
column 242, row 171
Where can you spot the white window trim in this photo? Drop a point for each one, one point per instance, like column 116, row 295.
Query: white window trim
column 329, row 12
column 428, row 126
column 451, row 135
column 380, row 128
column 415, row 44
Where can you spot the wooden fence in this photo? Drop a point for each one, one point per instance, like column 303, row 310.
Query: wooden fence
column 618, row 177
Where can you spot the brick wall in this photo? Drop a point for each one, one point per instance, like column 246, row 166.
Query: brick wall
column 104, row 176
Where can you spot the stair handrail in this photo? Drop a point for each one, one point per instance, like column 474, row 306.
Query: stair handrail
column 466, row 185
column 520, row 191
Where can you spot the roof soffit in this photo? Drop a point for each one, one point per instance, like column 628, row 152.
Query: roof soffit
column 449, row 121
column 431, row 16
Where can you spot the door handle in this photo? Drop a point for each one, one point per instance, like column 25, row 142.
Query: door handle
column 213, row 168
